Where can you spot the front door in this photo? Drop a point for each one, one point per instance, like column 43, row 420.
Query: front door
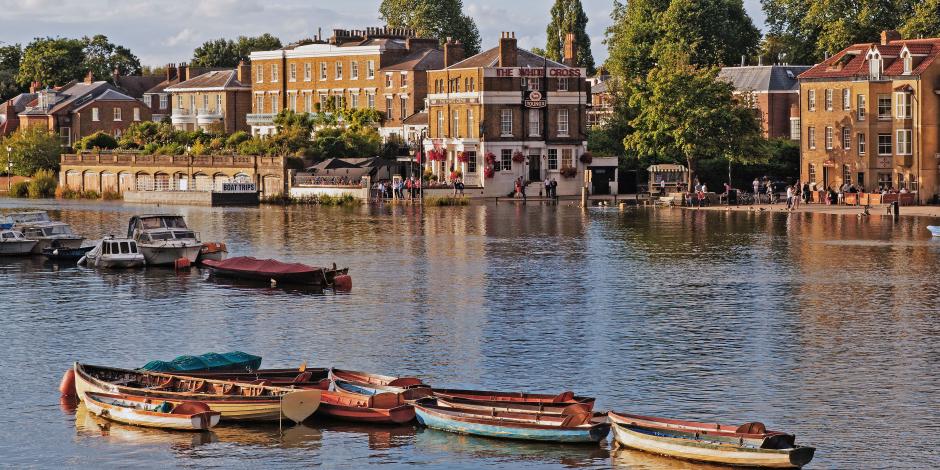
column 825, row 184
column 535, row 167
column 600, row 180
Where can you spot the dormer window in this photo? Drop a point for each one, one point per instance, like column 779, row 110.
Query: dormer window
column 907, row 60
column 874, row 64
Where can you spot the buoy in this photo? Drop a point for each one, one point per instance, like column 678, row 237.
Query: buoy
column 182, row 263
column 343, row 282
column 67, row 386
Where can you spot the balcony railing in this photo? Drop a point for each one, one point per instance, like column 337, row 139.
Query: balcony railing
column 260, row 119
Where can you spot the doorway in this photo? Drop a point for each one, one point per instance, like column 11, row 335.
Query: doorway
column 600, row 180
column 535, row 167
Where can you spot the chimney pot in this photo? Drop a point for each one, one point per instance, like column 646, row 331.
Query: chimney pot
column 571, row 53
column 890, row 35
column 508, row 50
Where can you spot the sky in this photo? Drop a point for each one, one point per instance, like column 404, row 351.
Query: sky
column 167, row 31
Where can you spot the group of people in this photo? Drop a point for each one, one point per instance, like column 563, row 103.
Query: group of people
column 399, row 189
column 698, row 197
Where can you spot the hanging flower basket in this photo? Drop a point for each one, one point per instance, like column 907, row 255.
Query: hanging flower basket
column 490, row 158
column 462, row 157
column 455, row 175
column 586, row 158
column 437, row 155
column 488, row 172
column 568, row 172
column 518, row 157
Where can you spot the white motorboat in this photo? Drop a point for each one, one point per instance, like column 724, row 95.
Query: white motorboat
column 934, row 229
column 164, row 238
column 114, row 253
column 13, row 243
column 36, row 225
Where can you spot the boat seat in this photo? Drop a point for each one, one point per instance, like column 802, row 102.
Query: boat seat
column 191, row 408
column 385, row 400
column 752, row 428
column 563, row 397
column 303, row 377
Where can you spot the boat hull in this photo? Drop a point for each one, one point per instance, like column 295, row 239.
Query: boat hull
column 197, row 422
column 711, row 452
column 57, row 242
column 578, row 435
column 166, row 255
column 232, row 407
column 397, row 415
column 112, row 262
column 17, row 247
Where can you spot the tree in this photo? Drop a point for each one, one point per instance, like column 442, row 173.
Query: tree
column 9, row 66
column 102, row 58
column 34, row 148
column 924, row 22
column 711, row 32
column 631, row 37
column 440, row 19
column 228, row 53
column 568, row 17
column 686, row 114
column 52, row 61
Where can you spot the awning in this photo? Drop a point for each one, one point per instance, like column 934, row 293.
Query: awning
column 667, row 168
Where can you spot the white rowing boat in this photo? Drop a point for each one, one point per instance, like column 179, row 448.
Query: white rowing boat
column 152, row 413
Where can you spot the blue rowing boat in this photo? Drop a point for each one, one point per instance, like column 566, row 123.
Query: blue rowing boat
column 574, row 427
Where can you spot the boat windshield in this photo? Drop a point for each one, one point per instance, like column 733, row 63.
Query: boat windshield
column 172, row 221
column 9, row 235
column 179, row 235
column 161, row 235
column 29, row 217
column 125, row 248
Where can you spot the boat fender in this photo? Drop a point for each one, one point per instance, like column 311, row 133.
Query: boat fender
column 82, row 261
column 67, row 385
column 343, row 282
column 181, row 264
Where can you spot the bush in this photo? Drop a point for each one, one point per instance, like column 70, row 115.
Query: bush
column 111, row 196
column 19, row 189
column 43, row 184
column 34, row 148
column 440, row 201
column 253, row 146
column 65, row 192
column 236, row 139
column 98, row 140
column 172, row 148
column 90, row 194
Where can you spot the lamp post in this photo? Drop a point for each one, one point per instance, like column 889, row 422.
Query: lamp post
column 9, row 169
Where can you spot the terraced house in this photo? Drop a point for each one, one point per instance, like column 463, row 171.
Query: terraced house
column 870, row 117
column 217, row 100
column 507, row 113
column 379, row 68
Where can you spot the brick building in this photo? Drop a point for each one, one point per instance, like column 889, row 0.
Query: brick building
column 776, row 92
column 83, row 108
column 602, row 101
column 218, row 100
column 379, row 68
column 870, row 117
column 158, row 99
column 10, row 110
column 507, row 113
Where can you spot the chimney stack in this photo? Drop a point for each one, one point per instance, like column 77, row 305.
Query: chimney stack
column 453, row 52
column 89, row 78
column 571, row 54
column 170, row 72
column 244, row 73
column 890, row 35
column 508, row 50
column 182, row 70
column 34, row 87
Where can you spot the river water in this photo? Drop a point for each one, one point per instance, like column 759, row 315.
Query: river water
column 820, row 325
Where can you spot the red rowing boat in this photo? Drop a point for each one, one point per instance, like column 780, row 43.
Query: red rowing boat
column 253, row 269
column 382, row 408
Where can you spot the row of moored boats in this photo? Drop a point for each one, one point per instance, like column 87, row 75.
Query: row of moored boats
column 199, row 398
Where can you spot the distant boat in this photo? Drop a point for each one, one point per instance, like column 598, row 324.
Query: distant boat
column 66, row 254
column 578, row 426
column 749, row 445
column 13, row 243
column 267, row 270
column 118, row 253
column 152, row 413
column 934, row 229
column 520, row 400
column 164, row 238
column 215, row 251
column 50, row 234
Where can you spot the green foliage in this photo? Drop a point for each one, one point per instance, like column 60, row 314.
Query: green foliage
column 630, row 39
column 228, row 53
column 568, row 17
column 172, row 148
column 10, row 56
column 199, row 148
column 924, row 22
column 434, row 19
column 19, row 189
column 52, row 61
column 33, row 148
column 234, row 140
column 711, row 32
column 43, row 184
column 322, row 200
column 111, row 196
column 98, row 140
column 440, row 201
column 103, row 57
column 253, row 146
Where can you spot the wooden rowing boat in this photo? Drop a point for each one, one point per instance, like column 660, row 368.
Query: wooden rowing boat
column 749, row 445
column 517, row 407
column 406, row 394
column 381, row 408
column 317, row 378
column 235, row 400
column 266, row 270
column 141, row 411
column 523, row 400
column 575, row 427
column 376, row 380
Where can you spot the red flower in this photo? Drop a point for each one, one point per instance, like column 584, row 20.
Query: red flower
column 462, row 157
column 488, row 172
column 518, row 157
column 490, row 158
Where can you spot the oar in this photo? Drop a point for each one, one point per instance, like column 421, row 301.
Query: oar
column 298, row 406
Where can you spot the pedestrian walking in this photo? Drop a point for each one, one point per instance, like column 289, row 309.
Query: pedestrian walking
column 789, row 197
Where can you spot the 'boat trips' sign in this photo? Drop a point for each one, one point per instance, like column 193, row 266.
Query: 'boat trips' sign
column 239, row 188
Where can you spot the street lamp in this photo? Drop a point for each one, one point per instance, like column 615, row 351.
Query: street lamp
column 9, row 169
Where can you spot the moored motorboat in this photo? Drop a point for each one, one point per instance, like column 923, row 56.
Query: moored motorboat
column 268, row 270
column 235, row 400
column 164, row 238
column 141, row 411
column 934, row 230
column 115, row 253
column 577, row 426
column 13, row 243
column 37, row 225
column 215, row 251
column 66, row 254
column 749, row 445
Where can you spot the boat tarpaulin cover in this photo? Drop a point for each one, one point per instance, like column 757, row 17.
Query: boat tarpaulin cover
column 231, row 361
column 261, row 266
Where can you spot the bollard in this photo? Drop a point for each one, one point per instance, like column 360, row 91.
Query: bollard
column 896, row 207
column 584, row 197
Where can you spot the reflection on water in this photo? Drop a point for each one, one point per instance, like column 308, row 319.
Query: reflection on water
column 820, row 325
column 628, row 459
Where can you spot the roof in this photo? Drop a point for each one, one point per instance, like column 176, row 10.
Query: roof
column 422, row 59
column 667, row 168
column 490, row 58
column 852, row 61
column 215, row 80
column 69, row 96
column 599, row 88
column 108, row 95
column 764, row 78
column 417, row 119
column 137, row 85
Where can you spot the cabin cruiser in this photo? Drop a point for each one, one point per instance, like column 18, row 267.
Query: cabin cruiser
column 13, row 243
column 164, row 238
column 114, row 253
column 37, row 226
